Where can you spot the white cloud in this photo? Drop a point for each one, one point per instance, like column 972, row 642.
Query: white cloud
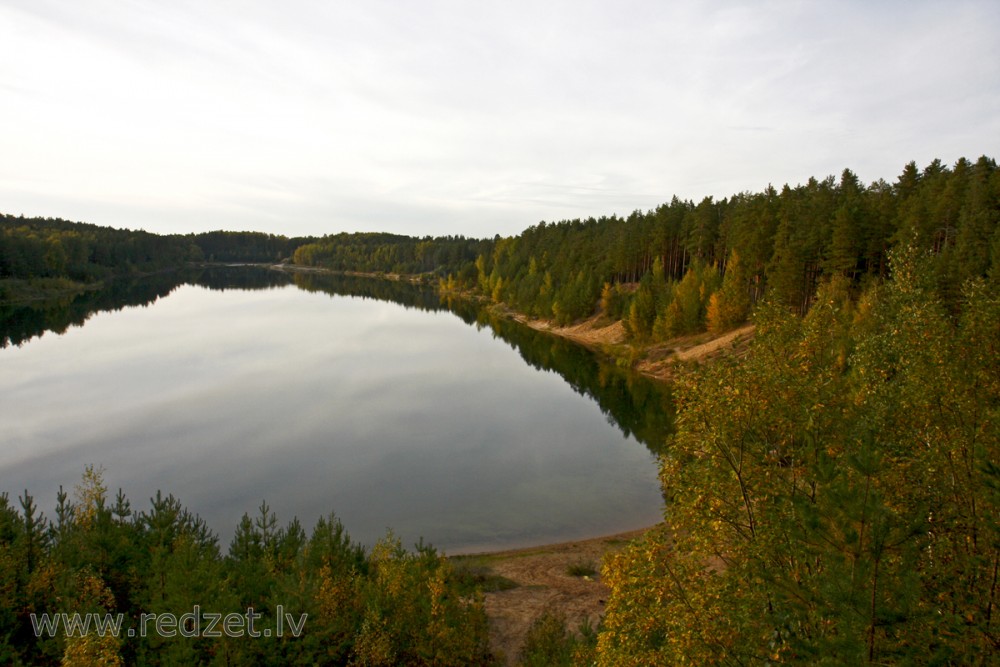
column 474, row 118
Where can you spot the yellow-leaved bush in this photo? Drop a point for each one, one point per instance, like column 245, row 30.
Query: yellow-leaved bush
column 831, row 497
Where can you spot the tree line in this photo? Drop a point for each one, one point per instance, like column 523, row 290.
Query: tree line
column 834, row 496
column 685, row 266
column 680, row 268
column 394, row 253
column 383, row 606
column 54, row 248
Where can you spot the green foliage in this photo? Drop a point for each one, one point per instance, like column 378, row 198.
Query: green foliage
column 412, row 614
column 730, row 306
column 471, row 576
column 389, row 606
column 788, row 242
column 222, row 246
column 688, row 306
column 40, row 257
column 549, row 643
column 394, row 253
column 650, row 299
column 614, row 300
column 32, row 248
column 642, row 310
column 576, row 299
column 581, row 569
column 831, row 498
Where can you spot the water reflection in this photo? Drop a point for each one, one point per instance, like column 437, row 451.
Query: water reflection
column 635, row 404
column 19, row 323
column 352, row 404
column 638, row 406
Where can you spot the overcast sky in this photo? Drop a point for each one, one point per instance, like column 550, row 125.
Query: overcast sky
column 475, row 118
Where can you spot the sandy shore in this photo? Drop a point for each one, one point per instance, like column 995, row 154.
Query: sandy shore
column 659, row 361
column 543, row 579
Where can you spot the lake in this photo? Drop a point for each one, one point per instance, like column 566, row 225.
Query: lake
column 370, row 399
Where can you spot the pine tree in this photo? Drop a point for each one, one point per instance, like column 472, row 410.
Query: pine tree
column 730, row 306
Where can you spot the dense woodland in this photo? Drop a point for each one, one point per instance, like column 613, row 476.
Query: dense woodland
column 832, row 496
column 678, row 269
column 777, row 243
column 687, row 266
column 53, row 248
column 385, row 606
column 392, row 253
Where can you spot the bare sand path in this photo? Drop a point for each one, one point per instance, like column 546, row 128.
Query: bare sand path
column 543, row 579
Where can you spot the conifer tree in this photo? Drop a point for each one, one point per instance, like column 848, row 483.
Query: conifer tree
column 730, row 306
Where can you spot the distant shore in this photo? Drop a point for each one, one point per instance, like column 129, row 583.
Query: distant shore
column 598, row 333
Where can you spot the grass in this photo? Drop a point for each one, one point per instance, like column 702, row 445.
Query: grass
column 549, row 643
column 581, row 568
column 472, row 575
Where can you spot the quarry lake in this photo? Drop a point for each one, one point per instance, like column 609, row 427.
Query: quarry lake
column 369, row 399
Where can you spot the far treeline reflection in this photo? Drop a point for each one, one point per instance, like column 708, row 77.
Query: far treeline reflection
column 636, row 405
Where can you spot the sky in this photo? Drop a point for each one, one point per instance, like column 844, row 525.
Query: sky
column 473, row 118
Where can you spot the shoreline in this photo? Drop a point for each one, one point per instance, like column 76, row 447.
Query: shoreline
column 561, row 576
column 658, row 361
column 544, row 547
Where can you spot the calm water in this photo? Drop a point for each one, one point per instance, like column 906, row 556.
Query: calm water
column 321, row 395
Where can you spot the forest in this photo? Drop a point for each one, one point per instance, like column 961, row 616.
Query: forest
column 40, row 248
column 681, row 268
column 387, row 605
column 32, row 248
column 686, row 267
column 831, row 496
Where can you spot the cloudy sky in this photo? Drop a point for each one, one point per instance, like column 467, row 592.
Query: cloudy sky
column 474, row 118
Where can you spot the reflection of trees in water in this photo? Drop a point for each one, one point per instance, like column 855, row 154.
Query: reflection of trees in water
column 403, row 293
column 19, row 323
column 636, row 405
column 223, row 278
